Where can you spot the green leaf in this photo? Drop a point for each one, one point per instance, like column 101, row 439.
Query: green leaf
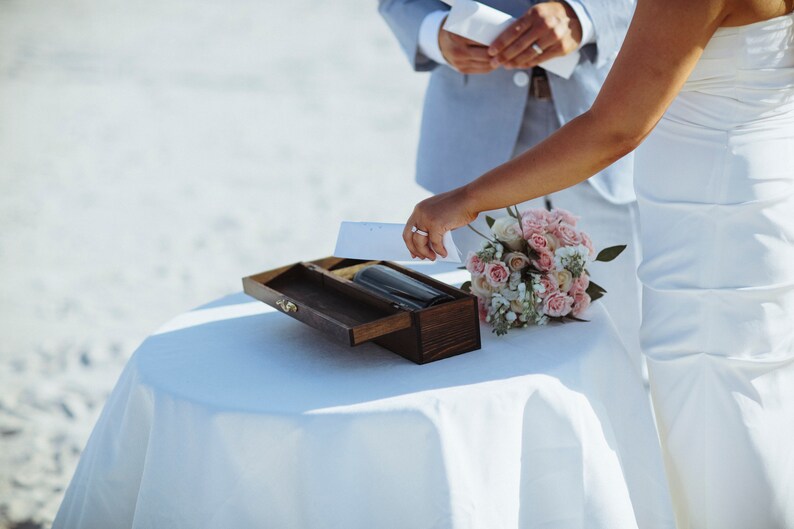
column 595, row 291
column 466, row 287
column 607, row 254
column 489, row 220
column 511, row 213
column 574, row 318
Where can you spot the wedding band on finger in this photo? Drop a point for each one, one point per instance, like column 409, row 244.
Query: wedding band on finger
column 417, row 231
column 537, row 48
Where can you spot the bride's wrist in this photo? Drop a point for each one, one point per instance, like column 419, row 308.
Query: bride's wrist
column 468, row 198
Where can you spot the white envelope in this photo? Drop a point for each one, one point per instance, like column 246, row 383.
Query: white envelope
column 482, row 23
column 384, row 242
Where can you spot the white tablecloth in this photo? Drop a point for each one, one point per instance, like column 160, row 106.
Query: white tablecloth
column 235, row 416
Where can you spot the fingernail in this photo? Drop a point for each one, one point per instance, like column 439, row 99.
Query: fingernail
column 491, row 51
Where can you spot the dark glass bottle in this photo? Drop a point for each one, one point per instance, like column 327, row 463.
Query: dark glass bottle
column 400, row 288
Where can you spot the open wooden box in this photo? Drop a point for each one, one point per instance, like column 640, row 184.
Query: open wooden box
column 321, row 294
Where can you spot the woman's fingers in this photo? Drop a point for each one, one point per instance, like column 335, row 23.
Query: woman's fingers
column 408, row 238
column 433, row 217
column 418, row 244
column 422, row 243
column 437, row 242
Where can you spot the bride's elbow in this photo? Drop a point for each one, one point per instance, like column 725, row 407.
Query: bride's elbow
column 619, row 137
column 623, row 143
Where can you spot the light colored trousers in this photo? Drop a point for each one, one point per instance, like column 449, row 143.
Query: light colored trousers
column 607, row 224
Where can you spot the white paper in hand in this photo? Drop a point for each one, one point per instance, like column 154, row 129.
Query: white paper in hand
column 384, row 242
column 482, row 23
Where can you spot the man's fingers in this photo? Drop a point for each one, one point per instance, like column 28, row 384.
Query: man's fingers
column 551, row 41
column 477, row 61
column 476, row 68
column 519, row 46
column 463, row 41
column 530, row 59
column 552, row 48
column 478, row 53
column 469, row 59
column 509, row 35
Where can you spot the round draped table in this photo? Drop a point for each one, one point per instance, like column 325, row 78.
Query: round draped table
column 234, row 415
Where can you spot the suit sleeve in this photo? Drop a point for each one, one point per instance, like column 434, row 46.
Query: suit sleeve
column 404, row 18
column 611, row 20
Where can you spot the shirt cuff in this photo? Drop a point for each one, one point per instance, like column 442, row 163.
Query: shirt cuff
column 428, row 36
column 588, row 30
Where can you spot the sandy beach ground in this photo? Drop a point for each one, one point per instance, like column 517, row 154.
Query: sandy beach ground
column 153, row 153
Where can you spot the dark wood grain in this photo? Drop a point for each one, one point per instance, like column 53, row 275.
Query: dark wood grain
column 449, row 329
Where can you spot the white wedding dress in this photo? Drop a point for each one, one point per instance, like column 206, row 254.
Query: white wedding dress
column 715, row 183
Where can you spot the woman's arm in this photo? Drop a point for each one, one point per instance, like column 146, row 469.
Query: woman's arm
column 663, row 43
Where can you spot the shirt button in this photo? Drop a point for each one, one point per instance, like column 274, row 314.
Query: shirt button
column 521, row 79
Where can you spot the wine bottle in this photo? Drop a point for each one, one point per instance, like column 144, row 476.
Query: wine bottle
column 400, row 288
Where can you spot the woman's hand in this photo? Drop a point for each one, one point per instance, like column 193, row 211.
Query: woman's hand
column 435, row 216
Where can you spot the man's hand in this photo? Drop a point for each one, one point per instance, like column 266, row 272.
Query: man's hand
column 464, row 55
column 547, row 30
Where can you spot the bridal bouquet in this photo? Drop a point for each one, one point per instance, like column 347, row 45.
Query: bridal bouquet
column 533, row 269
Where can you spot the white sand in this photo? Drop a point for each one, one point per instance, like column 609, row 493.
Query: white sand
column 151, row 154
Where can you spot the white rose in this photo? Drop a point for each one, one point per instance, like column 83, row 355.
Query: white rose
column 516, row 261
column 565, row 280
column 480, row 287
column 517, row 306
column 508, row 231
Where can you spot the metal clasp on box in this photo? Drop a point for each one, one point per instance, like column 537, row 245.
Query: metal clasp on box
column 287, row 306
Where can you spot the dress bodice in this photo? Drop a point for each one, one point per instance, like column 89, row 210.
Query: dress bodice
column 746, row 74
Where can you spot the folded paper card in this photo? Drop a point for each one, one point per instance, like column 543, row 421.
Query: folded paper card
column 378, row 241
column 482, row 23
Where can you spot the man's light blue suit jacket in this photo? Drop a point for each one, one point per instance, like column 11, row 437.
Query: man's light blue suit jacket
column 470, row 123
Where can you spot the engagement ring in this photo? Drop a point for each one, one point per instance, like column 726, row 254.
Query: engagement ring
column 537, row 48
column 416, row 230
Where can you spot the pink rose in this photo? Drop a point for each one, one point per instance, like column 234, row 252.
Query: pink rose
column 534, row 221
column 544, row 262
column 561, row 215
column 538, row 242
column 549, row 284
column 580, row 285
column 580, row 303
column 557, row 304
column 474, row 264
column 567, row 234
column 497, row 274
column 516, row 261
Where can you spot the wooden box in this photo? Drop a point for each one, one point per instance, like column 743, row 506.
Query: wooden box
column 321, row 294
